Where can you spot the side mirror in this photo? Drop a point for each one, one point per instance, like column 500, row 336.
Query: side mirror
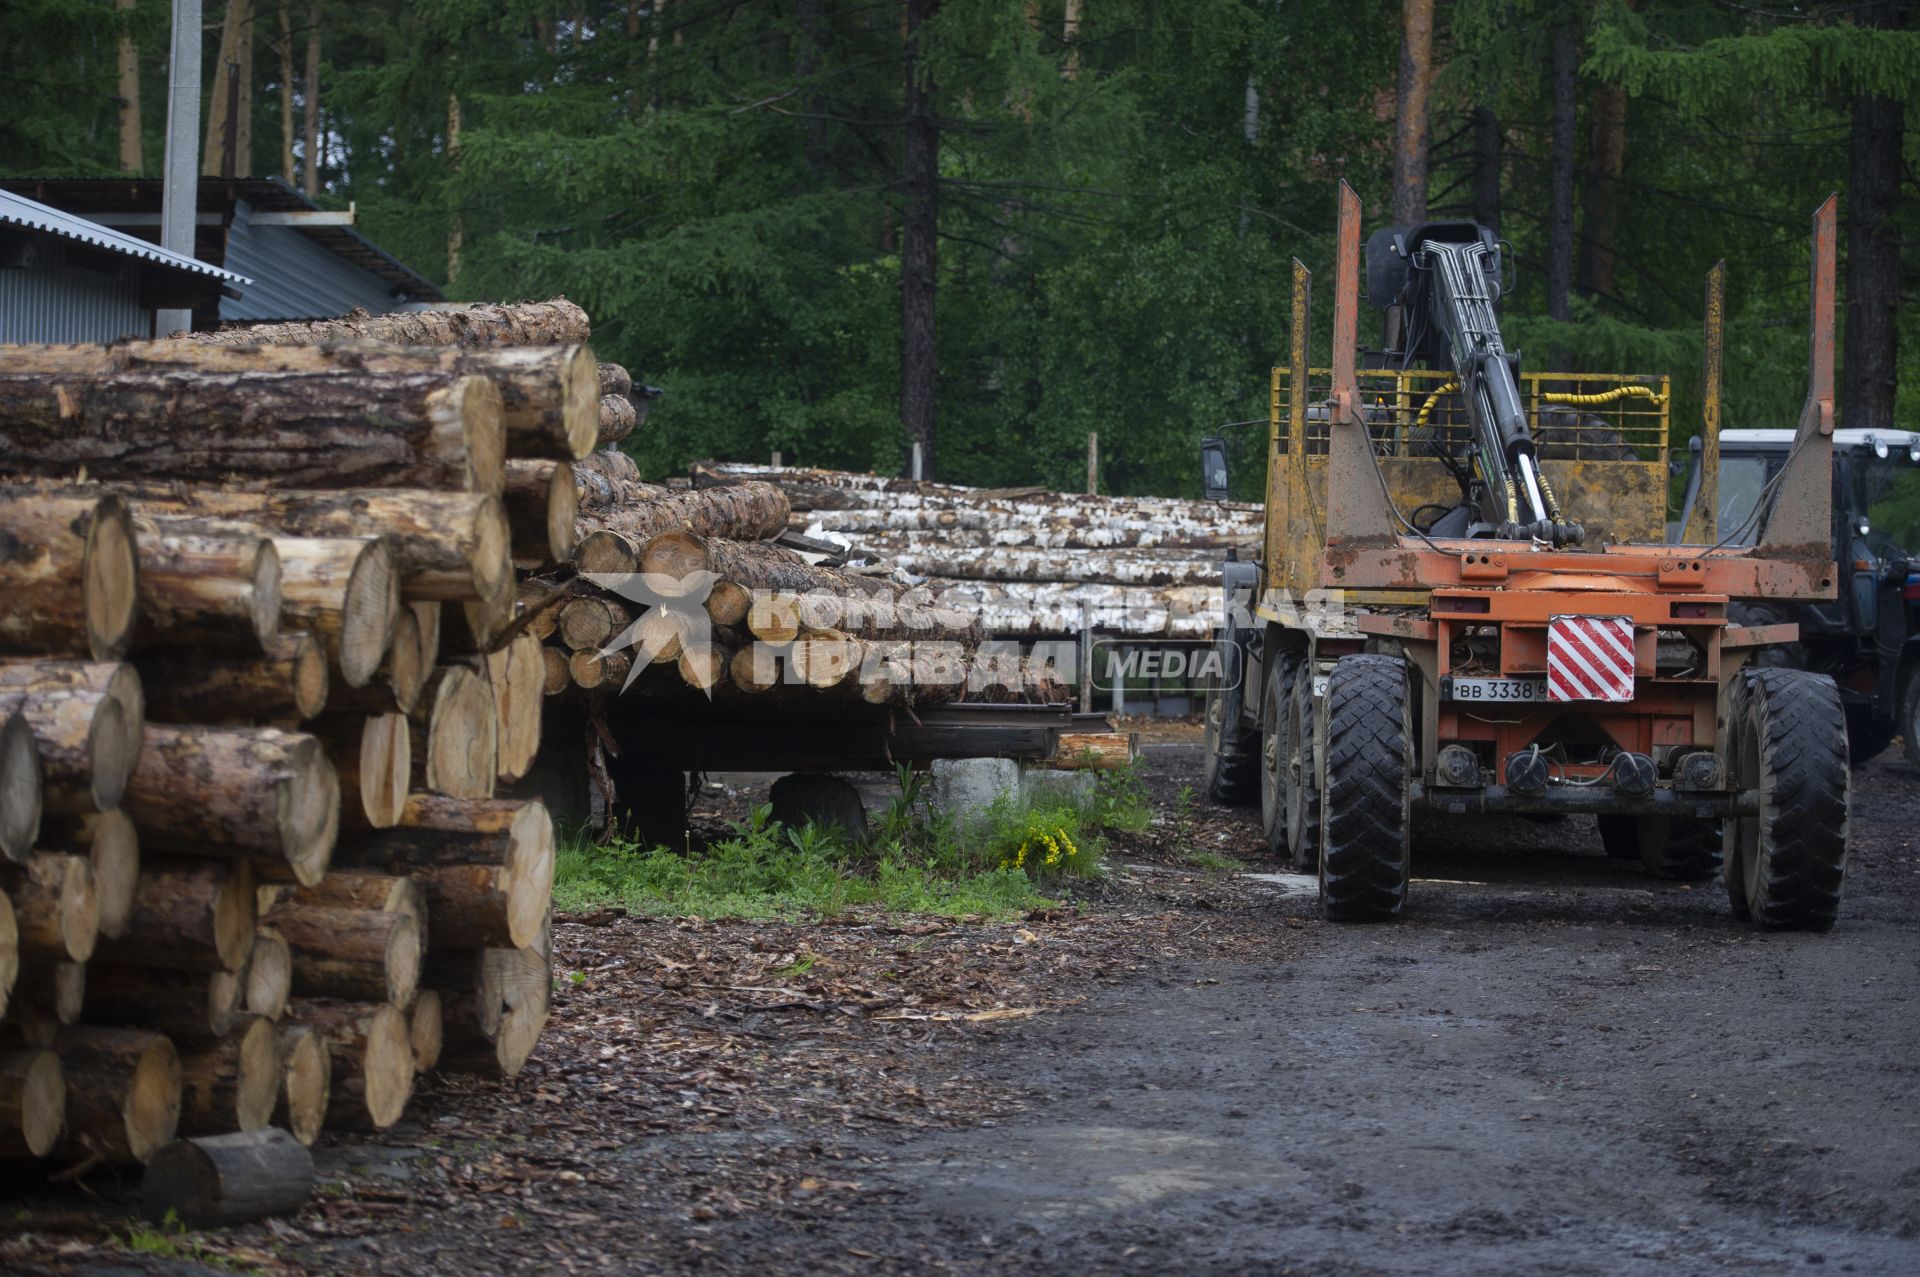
column 1213, row 468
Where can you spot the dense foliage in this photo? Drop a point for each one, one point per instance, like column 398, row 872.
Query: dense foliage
column 718, row 181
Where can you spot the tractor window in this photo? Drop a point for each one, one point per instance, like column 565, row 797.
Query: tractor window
column 1889, row 497
column 1741, row 480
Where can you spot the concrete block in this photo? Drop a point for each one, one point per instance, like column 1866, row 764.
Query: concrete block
column 1046, row 787
column 966, row 787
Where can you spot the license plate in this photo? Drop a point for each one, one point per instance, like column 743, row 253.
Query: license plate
column 1498, row 690
column 1320, row 684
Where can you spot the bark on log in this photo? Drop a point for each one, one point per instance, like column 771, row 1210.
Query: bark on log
column 639, row 512
column 1091, row 523
column 1027, row 563
column 86, row 718
column 46, row 997
column 259, row 792
column 344, row 888
column 515, row 675
column 56, row 917
column 363, row 955
column 452, row 545
column 69, row 572
column 33, row 1102
column 123, row 1092
column 439, row 842
column 541, row 603
column 220, row 1180
column 456, row 749
column 22, row 792
column 372, row 1059
column 600, row 476
column 164, row 1000
column 602, row 552
column 9, row 953
column 207, row 592
column 841, row 490
column 164, row 410
column 482, row 325
column 230, row 1081
column 614, row 379
column 617, row 420
column 542, row 505
column 684, row 564
column 189, row 915
column 373, row 758
column 426, row 1030
column 1092, row 751
column 306, row 1083
column 269, row 974
column 286, row 682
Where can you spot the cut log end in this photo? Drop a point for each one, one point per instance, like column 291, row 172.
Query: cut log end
column 529, row 867
column 563, row 507
column 309, row 811
column 9, row 952
column 114, row 850
column 110, row 583
column 305, row 1083
column 426, row 1030
column 263, row 603
column 482, row 424
column 269, row 975
column 727, row 603
column 309, row 676
column 257, row 1085
column 385, row 769
column 704, row 667
column 20, row 788
column 676, row 563
column 388, row 1067
column 369, row 616
column 33, row 1101
column 492, row 551
column 606, row 552
column 462, row 757
column 582, row 415
column 405, row 677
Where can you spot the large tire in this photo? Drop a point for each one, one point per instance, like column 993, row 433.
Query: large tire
column 1230, row 768
column 1366, row 750
column 1682, row 848
column 1910, row 719
column 1300, row 783
column 1273, row 780
column 1792, row 747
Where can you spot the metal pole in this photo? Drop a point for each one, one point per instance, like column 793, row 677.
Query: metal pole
column 1086, row 657
column 1093, row 462
column 180, row 189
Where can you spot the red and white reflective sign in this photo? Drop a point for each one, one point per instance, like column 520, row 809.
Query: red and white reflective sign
column 1590, row 658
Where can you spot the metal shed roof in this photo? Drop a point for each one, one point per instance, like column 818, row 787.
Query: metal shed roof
column 18, row 210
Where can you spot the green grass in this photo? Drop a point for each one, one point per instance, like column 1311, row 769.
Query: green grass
column 910, row 862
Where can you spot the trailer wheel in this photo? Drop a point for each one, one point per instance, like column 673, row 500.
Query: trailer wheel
column 1682, row 848
column 1230, row 769
column 1366, row 746
column 1300, row 780
column 1792, row 748
column 1273, row 765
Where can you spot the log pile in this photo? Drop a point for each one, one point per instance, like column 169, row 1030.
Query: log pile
column 1026, row 562
column 260, row 678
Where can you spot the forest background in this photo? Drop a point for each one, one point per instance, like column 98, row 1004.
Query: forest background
column 830, row 227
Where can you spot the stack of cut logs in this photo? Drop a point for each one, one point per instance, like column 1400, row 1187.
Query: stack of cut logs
column 1138, row 567
column 687, row 585
column 260, row 675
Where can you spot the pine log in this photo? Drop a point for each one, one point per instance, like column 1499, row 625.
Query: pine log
column 540, row 603
column 306, row 1084
column 269, row 974
column 590, row 621
column 542, row 506
column 21, row 787
column 142, row 411
column 456, row 748
column 183, row 1007
column 426, row 1030
column 480, row 325
column 9, row 952
column 33, row 1101
column 345, row 888
column 727, row 603
column 557, row 677
column 230, row 1082
column 220, row 1180
column 207, row 592
column 47, row 996
column 614, row 380
column 402, row 673
column 617, row 420
column 123, row 1092
column 515, row 675
column 426, row 615
column 373, row 758
column 603, row 553
column 773, row 616
column 549, row 395
column 372, row 1059
column 86, row 718
column 189, row 915
column 69, row 572
column 359, row 954
column 1092, row 751
column 589, row 670
column 494, row 1004
column 604, row 478
column 451, row 545
column 258, row 792
column 56, row 915
column 703, row 666
column 286, row 683
column 347, row 591
column 747, row 512
column 441, row 842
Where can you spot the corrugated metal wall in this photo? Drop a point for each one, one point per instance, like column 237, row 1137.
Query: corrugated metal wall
column 51, row 301
column 293, row 278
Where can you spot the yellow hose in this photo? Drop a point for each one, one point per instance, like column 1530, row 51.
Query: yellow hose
column 1604, row 396
column 1426, row 409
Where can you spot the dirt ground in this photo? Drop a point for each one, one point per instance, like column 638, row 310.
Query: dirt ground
column 1551, row 1065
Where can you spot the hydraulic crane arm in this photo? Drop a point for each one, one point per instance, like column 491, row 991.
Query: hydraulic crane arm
column 1444, row 278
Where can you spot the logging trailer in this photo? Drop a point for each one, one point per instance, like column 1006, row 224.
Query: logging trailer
column 1467, row 602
